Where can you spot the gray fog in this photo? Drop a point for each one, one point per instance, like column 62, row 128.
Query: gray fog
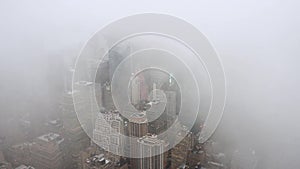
column 257, row 41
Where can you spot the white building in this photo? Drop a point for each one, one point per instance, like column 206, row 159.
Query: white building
column 108, row 132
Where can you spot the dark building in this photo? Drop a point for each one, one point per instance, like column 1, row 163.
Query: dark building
column 138, row 127
column 47, row 152
column 152, row 151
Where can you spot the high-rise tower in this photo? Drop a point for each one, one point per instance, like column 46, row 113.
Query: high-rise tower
column 152, row 152
column 138, row 127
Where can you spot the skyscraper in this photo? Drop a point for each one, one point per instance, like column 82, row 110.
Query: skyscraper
column 136, row 90
column 108, row 132
column 107, row 100
column 151, row 149
column 137, row 128
column 76, row 138
column 139, row 89
column 171, row 103
column 116, row 55
column 183, row 137
column 138, row 125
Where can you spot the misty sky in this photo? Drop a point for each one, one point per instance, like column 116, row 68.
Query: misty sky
column 257, row 41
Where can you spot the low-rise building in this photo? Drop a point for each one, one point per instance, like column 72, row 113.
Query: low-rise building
column 46, row 151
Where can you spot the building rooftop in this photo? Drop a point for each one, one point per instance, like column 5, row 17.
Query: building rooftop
column 138, row 118
column 25, row 167
column 151, row 140
column 50, row 137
